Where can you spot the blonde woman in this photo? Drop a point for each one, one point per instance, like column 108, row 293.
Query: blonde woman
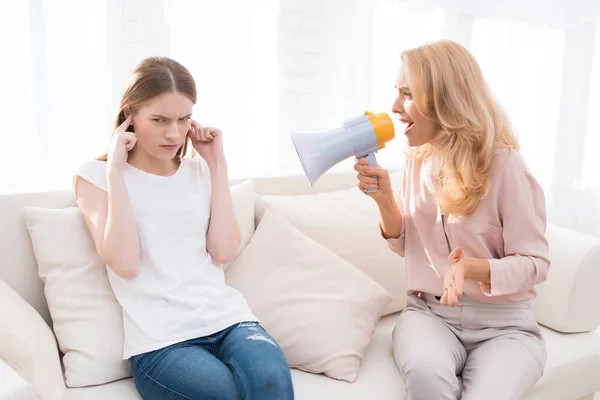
column 162, row 222
column 470, row 220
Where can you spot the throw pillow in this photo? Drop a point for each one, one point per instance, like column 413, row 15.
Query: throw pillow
column 319, row 308
column 28, row 346
column 347, row 223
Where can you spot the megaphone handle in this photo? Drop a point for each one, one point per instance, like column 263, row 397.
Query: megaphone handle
column 373, row 163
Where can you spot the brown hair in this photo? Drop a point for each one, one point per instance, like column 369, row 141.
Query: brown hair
column 152, row 77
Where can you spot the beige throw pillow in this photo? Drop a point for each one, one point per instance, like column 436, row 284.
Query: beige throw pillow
column 86, row 317
column 347, row 223
column 318, row 307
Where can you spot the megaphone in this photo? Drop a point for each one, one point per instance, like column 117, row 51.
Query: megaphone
column 360, row 137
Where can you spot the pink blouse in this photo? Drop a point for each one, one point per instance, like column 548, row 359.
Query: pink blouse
column 507, row 228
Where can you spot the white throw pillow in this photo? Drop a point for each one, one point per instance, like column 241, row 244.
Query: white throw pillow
column 320, row 309
column 87, row 319
column 347, row 223
column 28, row 346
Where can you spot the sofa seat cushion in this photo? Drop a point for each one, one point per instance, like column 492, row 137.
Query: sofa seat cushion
column 378, row 377
column 576, row 356
column 572, row 367
column 123, row 389
column 571, row 372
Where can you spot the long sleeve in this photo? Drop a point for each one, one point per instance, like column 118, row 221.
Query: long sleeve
column 522, row 210
column 398, row 245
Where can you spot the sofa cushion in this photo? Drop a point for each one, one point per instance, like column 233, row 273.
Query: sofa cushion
column 79, row 295
column 14, row 386
column 567, row 300
column 572, row 366
column 27, row 347
column 571, row 372
column 319, row 308
column 18, row 267
column 347, row 223
column 123, row 389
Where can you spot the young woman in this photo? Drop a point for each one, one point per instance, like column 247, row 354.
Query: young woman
column 161, row 221
column 470, row 220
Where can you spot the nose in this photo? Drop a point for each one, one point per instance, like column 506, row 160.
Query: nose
column 172, row 131
column 398, row 106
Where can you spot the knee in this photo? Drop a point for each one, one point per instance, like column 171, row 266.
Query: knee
column 430, row 379
column 275, row 377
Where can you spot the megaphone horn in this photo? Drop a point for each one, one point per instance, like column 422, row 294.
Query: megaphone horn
column 360, row 136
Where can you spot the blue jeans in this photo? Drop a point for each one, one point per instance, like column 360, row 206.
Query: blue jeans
column 240, row 362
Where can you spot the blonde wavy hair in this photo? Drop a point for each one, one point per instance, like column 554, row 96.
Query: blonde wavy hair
column 448, row 87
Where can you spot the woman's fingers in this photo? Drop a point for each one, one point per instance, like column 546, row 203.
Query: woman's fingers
column 453, row 298
column 203, row 134
column 371, row 171
column 129, row 139
column 364, row 187
column 125, row 124
column 444, row 298
column 458, row 285
column 367, row 180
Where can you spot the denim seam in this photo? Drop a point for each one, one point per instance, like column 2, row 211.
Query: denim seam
column 213, row 346
column 154, row 381
column 235, row 368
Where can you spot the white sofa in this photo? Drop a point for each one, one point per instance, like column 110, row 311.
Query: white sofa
column 568, row 301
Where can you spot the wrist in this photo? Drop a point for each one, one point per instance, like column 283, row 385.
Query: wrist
column 114, row 171
column 468, row 266
column 218, row 165
column 477, row 269
column 218, row 161
column 387, row 202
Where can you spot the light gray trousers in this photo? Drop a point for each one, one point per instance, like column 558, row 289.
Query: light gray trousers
column 473, row 351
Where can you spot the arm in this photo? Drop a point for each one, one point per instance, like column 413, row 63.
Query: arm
column 392, row 224
column 477, row 269
column 522, row 211
column 223, row 237
column 109, row 218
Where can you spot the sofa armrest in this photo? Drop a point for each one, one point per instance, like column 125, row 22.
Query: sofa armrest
column 28, row 346
column 568, row 300
column 13, row 386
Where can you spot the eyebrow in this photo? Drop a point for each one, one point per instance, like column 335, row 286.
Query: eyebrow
column 404, row 88
column 162, row 116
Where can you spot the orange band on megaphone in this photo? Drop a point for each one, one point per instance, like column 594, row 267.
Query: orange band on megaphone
column 383, row 127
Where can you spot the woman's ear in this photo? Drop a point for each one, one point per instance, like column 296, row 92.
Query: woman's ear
column 127, row 111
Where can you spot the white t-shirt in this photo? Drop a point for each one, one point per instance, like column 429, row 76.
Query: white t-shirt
column 179, row 293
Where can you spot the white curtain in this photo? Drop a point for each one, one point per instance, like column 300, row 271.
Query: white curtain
column 67, row 61
column 265, row 68
column 542, row 60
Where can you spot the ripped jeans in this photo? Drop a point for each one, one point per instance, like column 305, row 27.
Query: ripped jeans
column 240, row 362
